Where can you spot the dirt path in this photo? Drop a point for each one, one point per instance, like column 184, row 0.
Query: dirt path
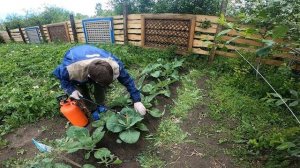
column 202, row 149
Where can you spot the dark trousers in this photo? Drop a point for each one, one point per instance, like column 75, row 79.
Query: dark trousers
column 98, row 93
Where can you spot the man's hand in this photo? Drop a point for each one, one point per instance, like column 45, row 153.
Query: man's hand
column 76, row 95
column 140, row 108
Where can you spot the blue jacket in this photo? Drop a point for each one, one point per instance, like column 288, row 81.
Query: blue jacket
column 73, row 69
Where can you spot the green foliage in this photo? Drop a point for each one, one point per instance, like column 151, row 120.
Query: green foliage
column 27, row 87
column 50, row 14
column 164, row 6
column 124, row 123
column 269, row 130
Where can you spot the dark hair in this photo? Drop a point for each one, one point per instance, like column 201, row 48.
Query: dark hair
column 101, row 72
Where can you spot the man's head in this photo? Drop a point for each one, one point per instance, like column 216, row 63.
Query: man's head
column 100, row 72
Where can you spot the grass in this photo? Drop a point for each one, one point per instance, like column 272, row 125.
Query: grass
column 188, row 95
column 169, row 132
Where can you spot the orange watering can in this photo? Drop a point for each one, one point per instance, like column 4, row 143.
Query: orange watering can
column 71, row 110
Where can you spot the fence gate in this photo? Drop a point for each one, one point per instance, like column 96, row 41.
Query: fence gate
column 58, row 32
column 166, row 31
column 33, row 34
column 99, row 30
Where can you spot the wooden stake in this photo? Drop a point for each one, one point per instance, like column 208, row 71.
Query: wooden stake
column 72, row 21
column 125, row 21
column 9, row 34
column 22, row 34
column 44, row 40
column 219, row 29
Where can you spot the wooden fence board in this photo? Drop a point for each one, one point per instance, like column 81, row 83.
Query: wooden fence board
column 118, row 22
column 134, row 26
column 118, row 27
column 202, row 18
column 134, row 17
column 204, row 37
column 242, row 41
column 118, row 32
column 119, row 37
column 134, row 31
column 134, row 37
column 209, row 30
column 200, row 51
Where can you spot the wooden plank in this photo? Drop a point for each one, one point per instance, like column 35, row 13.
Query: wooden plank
column 118, row 27
column 192, row 33
column 202, row 18
column 134, row 26
column 134, row 21
column 134, row 37
column 134, row 31
column 253, row 36
column 143, row 31
column 199, row 24
column 169, row 16
column 200, row 51
column 118, row 17
column 231, row 47
column 242, row 41
column 226, row 54
column 118, row 32
column 134, row 17
column 209, row 30
column 204, row 37
column 119, row 37
column 135, row 43
column 118, row 21
column 286, row 56
column 119, row 42
column 200, row 43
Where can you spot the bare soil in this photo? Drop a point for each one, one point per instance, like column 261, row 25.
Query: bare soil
column 201, row 150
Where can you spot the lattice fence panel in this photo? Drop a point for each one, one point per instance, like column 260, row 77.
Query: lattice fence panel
column 164, row 33
column 98, row 30
column 33, row 34
column 58, row 32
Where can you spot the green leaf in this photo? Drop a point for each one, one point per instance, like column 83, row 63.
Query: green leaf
column 72, row 147
column 98, row 123
column 77, row 132
column 98, row 134
column 148, row 88
column 263, row 51
column 102, row 153
column 113, row 125
column 223, row 32
column 130, row 136
column 61, row 165
column 232, row 39
column 294, row 103
column 294, row 93
column 87, row 155
column 88, row 166
column 280, row 31
column 131, row 117
column 155, row 74
column 117, row 161
column 156, row 113
column 142, row 127
column 285, row 145
column 118, row 141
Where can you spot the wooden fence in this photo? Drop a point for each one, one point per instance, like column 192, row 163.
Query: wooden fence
column 201, row 36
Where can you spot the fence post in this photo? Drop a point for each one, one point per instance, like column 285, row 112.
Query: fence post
column 22, row 34
column 9, row 34
column 219, row 28
column 72, row 21
column 42, row 32
column 125, row 13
